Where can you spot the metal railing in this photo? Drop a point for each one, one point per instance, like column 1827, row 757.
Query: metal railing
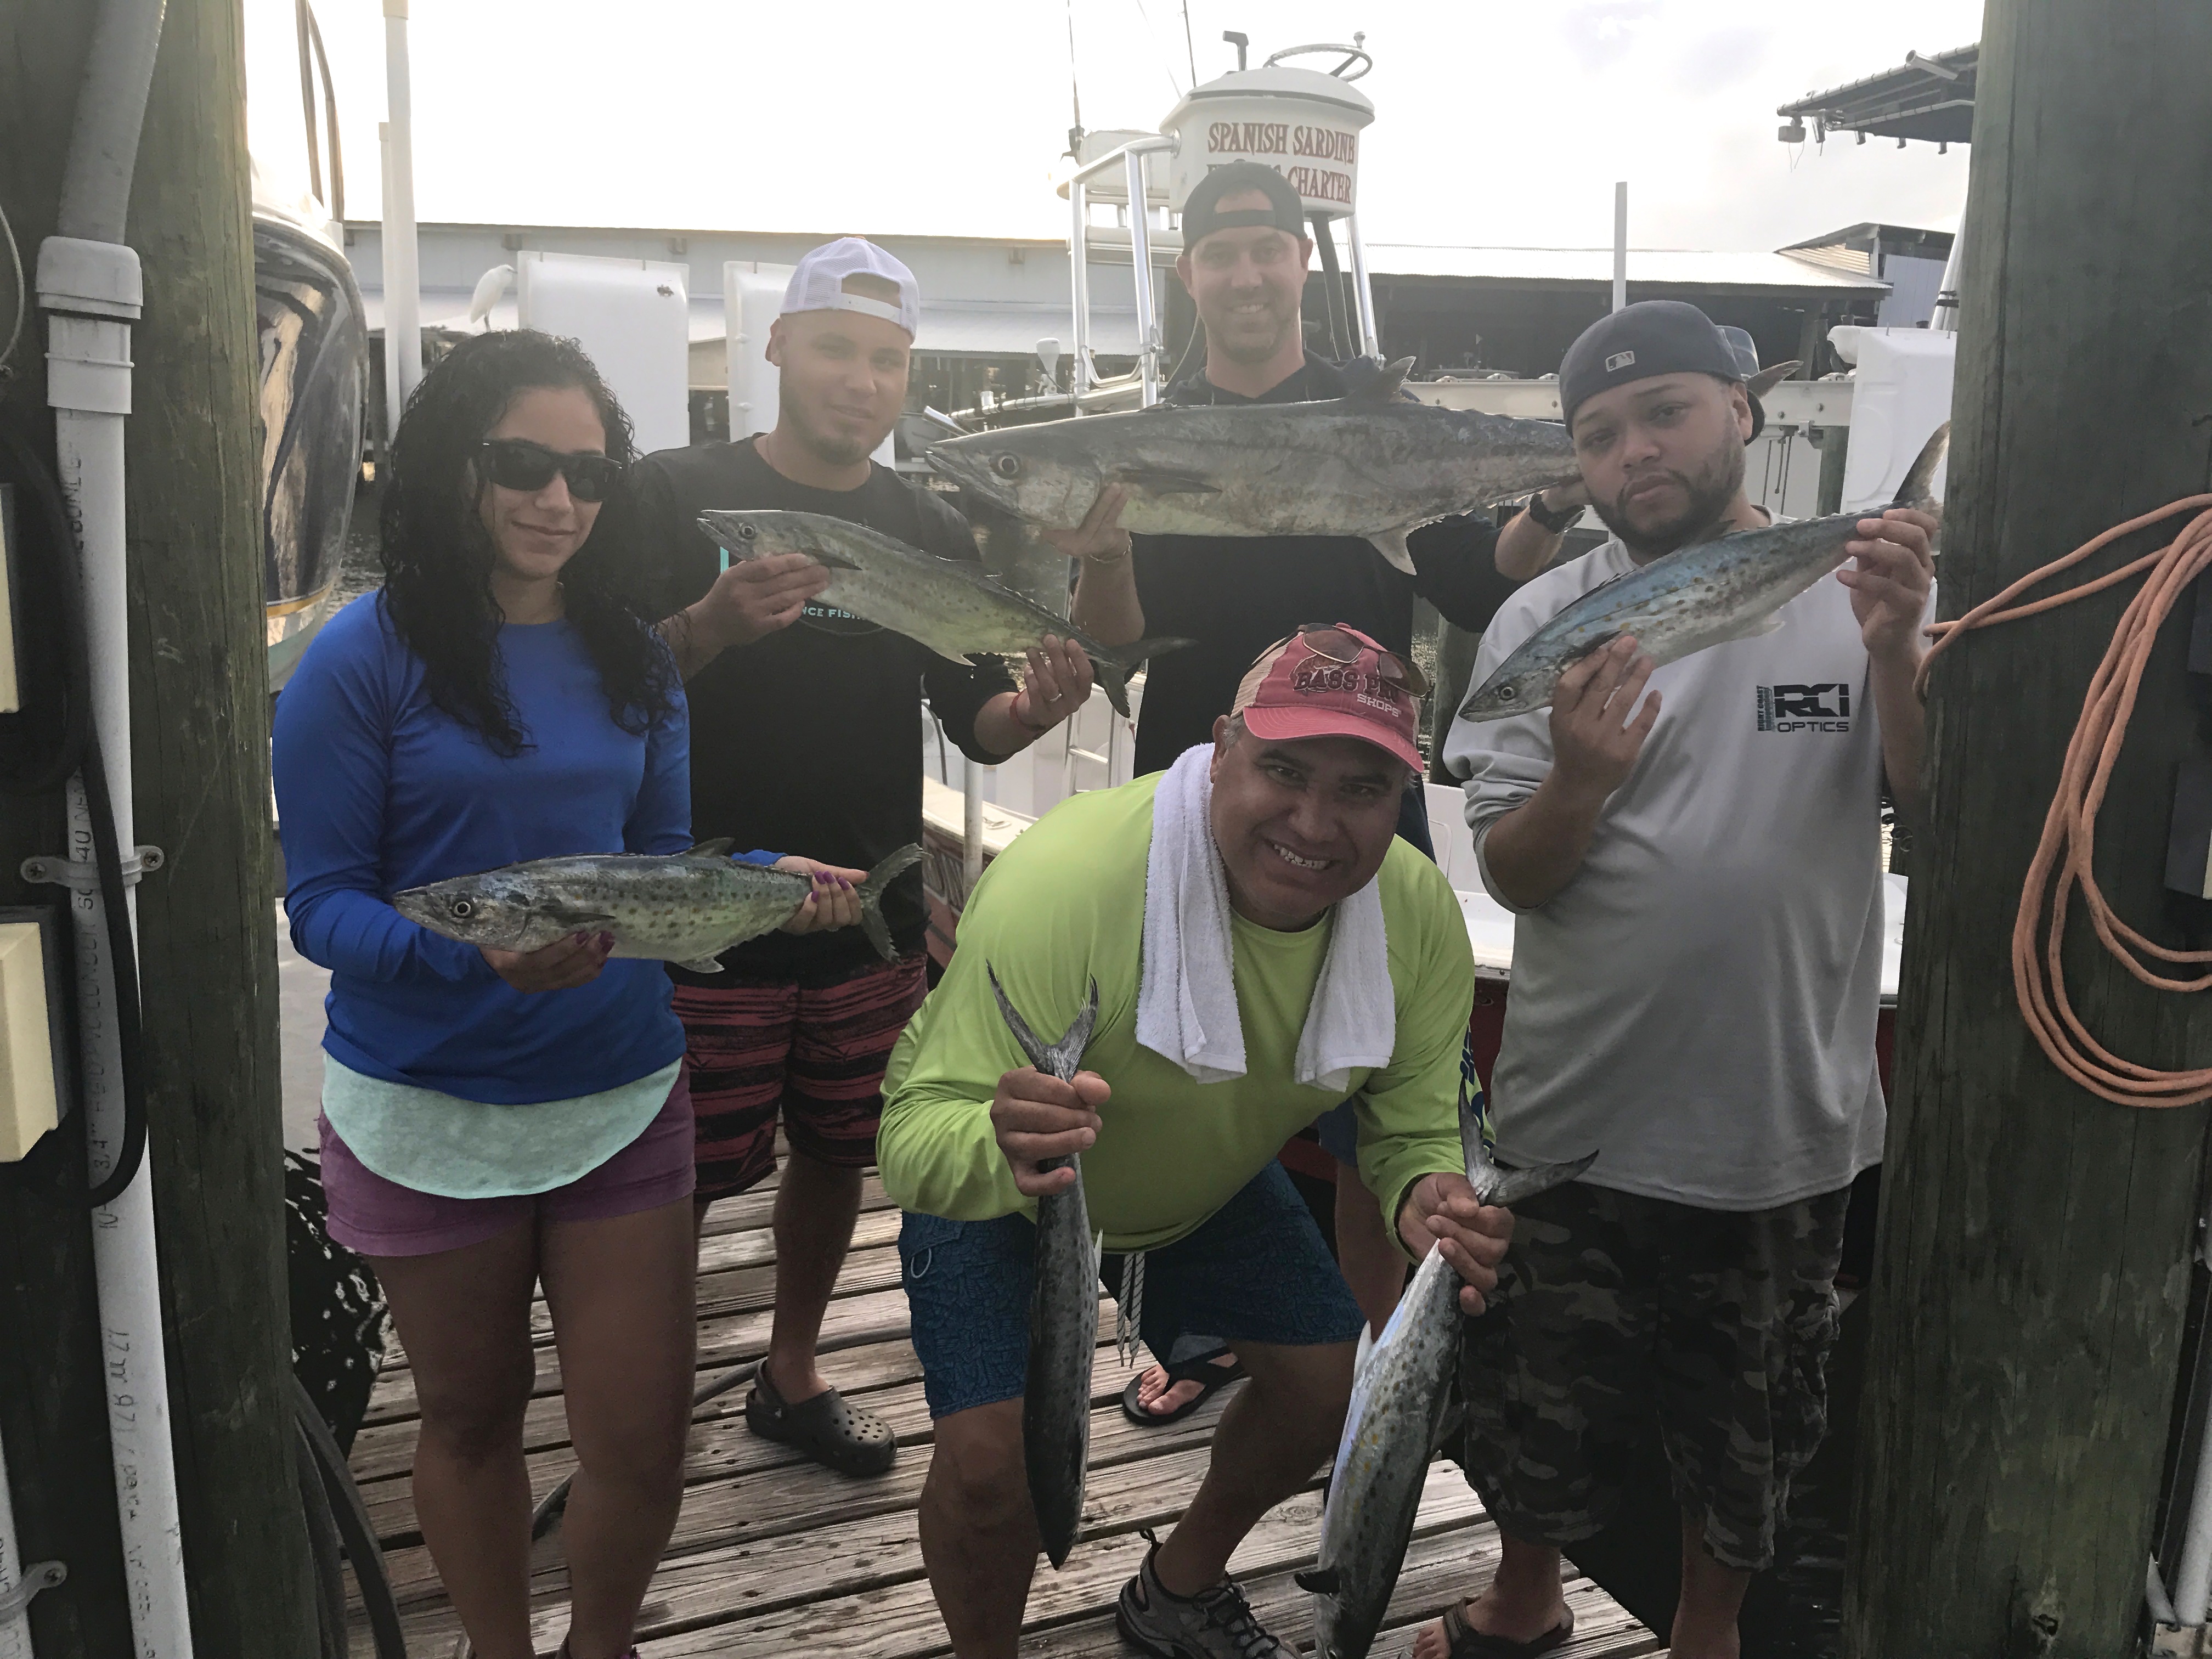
column 1132, row 158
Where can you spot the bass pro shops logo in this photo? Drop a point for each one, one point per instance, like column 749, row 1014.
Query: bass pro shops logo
column 1823, row 707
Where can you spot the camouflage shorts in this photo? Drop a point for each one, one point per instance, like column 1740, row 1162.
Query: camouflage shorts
column 1612, row 1306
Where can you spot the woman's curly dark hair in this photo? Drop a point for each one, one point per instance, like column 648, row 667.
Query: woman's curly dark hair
column 438, row 558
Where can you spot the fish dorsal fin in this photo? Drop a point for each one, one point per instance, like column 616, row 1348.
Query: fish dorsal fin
column 716, row 848
column 1364, row 1355
column 1374, row 381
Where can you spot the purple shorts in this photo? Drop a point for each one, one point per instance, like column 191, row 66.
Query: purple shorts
column 376, row 1216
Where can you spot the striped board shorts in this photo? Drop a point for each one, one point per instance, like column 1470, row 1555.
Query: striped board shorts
column 806, row 1050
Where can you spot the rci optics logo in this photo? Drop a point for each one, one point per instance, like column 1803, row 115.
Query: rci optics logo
column 1823, row 707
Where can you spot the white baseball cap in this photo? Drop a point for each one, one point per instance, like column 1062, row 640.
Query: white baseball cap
column 818, row 283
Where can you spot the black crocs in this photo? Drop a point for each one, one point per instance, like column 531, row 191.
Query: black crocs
column 827, row 1428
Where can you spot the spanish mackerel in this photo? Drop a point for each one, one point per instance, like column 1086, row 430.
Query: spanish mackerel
column 1063, row 1310
column 1400, row 1382
column 684, row 908
column 1370, row 463
column 951, row 606
column 1703, row 594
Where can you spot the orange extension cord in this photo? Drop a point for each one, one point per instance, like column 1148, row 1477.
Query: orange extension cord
column 2062, row 858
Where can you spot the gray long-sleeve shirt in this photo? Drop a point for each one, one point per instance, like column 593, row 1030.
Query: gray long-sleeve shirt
column 1699, row 1001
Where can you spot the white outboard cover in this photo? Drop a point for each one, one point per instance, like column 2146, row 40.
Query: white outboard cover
column 632, row 318
column 1902, row 394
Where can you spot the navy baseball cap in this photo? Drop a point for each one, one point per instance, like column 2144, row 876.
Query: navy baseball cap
column 1286, row 209
column 1638, row 343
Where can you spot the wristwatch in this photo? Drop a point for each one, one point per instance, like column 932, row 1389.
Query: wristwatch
column 1556, row 523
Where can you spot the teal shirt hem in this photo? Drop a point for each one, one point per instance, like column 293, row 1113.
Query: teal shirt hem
column 453, row 1148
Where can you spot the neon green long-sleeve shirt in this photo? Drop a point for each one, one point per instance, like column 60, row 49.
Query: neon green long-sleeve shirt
column 1066, row 904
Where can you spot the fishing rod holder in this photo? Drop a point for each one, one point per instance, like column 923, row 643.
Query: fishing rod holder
column 84, row 878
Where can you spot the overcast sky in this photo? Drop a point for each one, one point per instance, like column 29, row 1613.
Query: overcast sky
column 1495, row 123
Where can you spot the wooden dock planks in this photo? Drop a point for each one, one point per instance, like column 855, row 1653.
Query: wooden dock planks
column 772, row 1556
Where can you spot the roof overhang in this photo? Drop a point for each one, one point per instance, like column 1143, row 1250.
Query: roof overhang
column 1927, row 97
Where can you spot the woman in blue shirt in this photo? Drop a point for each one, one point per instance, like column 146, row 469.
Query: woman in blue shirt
column 491, row 1119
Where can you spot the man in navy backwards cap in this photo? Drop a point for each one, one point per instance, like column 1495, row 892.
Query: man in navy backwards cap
column 1245, row 252
column 1694, row 856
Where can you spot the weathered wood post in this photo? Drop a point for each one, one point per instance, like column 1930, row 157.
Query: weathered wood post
column 2035, row 1240
column 208, row 956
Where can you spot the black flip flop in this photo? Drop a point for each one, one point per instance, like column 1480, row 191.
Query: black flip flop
column 827, row 1428
column 1464, row 1641
column 1210, row 1377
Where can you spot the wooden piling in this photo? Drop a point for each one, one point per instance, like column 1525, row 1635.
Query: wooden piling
column 2029, row 1301
column 207, row 948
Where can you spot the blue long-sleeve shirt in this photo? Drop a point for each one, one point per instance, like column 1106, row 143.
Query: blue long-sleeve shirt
column 377, row 790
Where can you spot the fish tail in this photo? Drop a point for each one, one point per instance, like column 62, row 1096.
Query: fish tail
column 872, row 895
column 1115, row 665
column 1917, row 489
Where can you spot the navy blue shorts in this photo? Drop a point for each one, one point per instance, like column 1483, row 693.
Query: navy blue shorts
column 1256, row 1270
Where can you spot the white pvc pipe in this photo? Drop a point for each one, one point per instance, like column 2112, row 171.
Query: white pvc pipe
column 1140, row 259
column 1079, row 288
column 91, row 290
column 1363, row 292
column 971, row 831
column 1621, row 245
column 402, row 296
column 1945, row 319
column 2192, row 1582
column 15, row 1628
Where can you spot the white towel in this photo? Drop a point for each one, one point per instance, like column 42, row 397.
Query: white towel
column 1186, row 994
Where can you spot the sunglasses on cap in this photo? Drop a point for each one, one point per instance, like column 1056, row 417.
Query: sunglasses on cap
column 518, row 464
column 1340, row 645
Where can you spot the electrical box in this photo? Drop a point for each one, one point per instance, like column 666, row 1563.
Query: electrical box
column 632, row 318
column 33, row 1069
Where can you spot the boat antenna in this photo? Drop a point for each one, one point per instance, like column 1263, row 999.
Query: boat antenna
column 1074, row 89
column 1189, row 51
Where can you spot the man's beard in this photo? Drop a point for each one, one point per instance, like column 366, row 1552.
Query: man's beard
column 1245, row 349
column 835, row 449
column 1709, row 495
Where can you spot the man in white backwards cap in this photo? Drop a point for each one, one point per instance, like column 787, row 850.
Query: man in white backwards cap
column 806, row 733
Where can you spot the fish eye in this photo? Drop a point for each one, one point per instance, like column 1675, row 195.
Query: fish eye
column 1506, row 694
column 1007, row 466
column 747, row 531
column 462, row 909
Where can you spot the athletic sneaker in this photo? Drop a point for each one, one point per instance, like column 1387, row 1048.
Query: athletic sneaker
column 1214, row 1624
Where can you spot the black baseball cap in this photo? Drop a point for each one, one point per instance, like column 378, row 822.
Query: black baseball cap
column 1284, row 209
column 1639, row 342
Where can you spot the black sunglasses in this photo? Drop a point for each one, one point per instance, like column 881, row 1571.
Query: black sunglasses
column 1333, row 644
column 518, row 464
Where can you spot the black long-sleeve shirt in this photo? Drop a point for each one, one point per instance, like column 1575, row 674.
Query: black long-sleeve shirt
column 808, row 740
column 1238, row 595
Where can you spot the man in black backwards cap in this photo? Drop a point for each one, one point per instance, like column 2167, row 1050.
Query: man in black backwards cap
column 1696, row 967
column 1245, row 257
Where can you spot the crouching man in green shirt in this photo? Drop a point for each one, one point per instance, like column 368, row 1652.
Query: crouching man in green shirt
column 1264, row 947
